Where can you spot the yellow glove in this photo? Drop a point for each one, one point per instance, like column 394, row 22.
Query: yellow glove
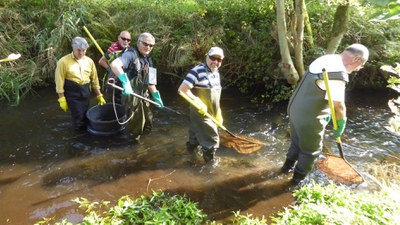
column 200, row 106
column 63, row 103
column 100, row 100
column 218, row 117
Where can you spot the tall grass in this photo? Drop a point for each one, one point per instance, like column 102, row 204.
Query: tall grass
column 184, row 29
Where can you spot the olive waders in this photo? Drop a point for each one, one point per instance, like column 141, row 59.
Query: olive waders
column 308, row 111
column 202, row 130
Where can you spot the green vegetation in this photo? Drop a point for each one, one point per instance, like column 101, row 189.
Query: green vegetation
column 394, row 104
column 159, row 208
column 315, row 204
column 338, row 205
column 41, row 31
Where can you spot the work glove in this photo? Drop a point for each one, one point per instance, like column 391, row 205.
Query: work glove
column 63, row 103
column 157, row 98
column 218, row 117
column 200, row 106
column 341, row 124
column 100, row 100
column 125, row 84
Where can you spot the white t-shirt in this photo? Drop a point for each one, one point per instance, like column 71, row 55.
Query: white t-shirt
column 331, row 63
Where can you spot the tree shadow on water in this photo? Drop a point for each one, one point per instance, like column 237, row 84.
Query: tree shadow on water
column 219, row 199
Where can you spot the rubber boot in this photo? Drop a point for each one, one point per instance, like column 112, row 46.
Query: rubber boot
column 146, row 129
column 208, row 154
column 190, row 147
column 288, row 166
column 298, row 178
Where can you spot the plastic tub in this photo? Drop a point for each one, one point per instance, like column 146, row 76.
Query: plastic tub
column 103, row 119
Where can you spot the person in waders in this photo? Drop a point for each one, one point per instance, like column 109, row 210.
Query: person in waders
column 115, row 50
column 137, row 75
column 203, row 85
column 309, row 111
column 74, row 75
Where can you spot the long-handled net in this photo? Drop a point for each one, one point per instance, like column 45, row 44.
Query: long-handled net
column 335, row 167
column 241, row 143
column 339, row 170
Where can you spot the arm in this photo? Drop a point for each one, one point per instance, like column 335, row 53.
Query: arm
column 152, row 88
column 340, row 110
column 186, row 90
column 95, row 84
column 117, row 66
column 59, row 79
column 103, row 62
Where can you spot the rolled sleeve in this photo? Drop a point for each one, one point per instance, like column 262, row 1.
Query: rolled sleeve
column 59, row 77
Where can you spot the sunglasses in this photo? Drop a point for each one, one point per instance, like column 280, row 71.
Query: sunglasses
column 125, row 39
column 147, row 44
column 212, row 58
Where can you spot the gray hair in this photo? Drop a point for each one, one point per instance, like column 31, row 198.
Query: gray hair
column 79, row 42
column 358, row 50
column 147, row 35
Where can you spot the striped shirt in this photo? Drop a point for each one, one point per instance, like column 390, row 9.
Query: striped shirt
column 114, row 47
column 201, row 76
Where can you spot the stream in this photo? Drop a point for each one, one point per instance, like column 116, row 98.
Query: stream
column 44, row 163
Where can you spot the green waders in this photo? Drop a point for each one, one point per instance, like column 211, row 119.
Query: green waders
column 142, row 117
column 307, row 111
column 202, row 130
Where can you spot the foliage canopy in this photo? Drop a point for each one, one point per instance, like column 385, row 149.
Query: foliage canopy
column 185, row 29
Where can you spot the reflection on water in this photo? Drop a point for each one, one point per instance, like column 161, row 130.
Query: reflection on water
column 44, row 163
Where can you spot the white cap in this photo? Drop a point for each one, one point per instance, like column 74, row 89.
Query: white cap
column 216, row 51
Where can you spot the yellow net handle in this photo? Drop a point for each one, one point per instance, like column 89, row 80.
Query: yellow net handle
column 93, row 40
column 328, row 92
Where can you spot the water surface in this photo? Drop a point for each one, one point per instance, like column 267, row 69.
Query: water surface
column 44, row 163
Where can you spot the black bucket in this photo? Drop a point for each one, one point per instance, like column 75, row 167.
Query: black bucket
column 103, row 120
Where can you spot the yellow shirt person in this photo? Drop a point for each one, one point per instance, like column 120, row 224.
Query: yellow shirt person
column 74, row 75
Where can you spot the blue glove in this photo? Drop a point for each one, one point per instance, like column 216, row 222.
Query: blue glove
column 341, row 124
column 125, row 84
column 157, row 98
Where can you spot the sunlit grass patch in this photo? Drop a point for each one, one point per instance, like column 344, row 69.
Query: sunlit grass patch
column 334, row 204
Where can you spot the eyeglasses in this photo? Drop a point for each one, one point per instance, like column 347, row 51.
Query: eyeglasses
column 147, row 44
column 125, row 39
column 212, row 58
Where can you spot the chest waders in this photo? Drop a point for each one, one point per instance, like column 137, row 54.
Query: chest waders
column 78, row 97
column 308, row 110
column 202, row 130
column 142, row 117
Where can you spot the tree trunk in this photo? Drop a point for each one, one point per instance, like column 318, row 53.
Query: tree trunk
column 299, row 36
column 286, row 64
column 308, row 29
column 339, row 28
